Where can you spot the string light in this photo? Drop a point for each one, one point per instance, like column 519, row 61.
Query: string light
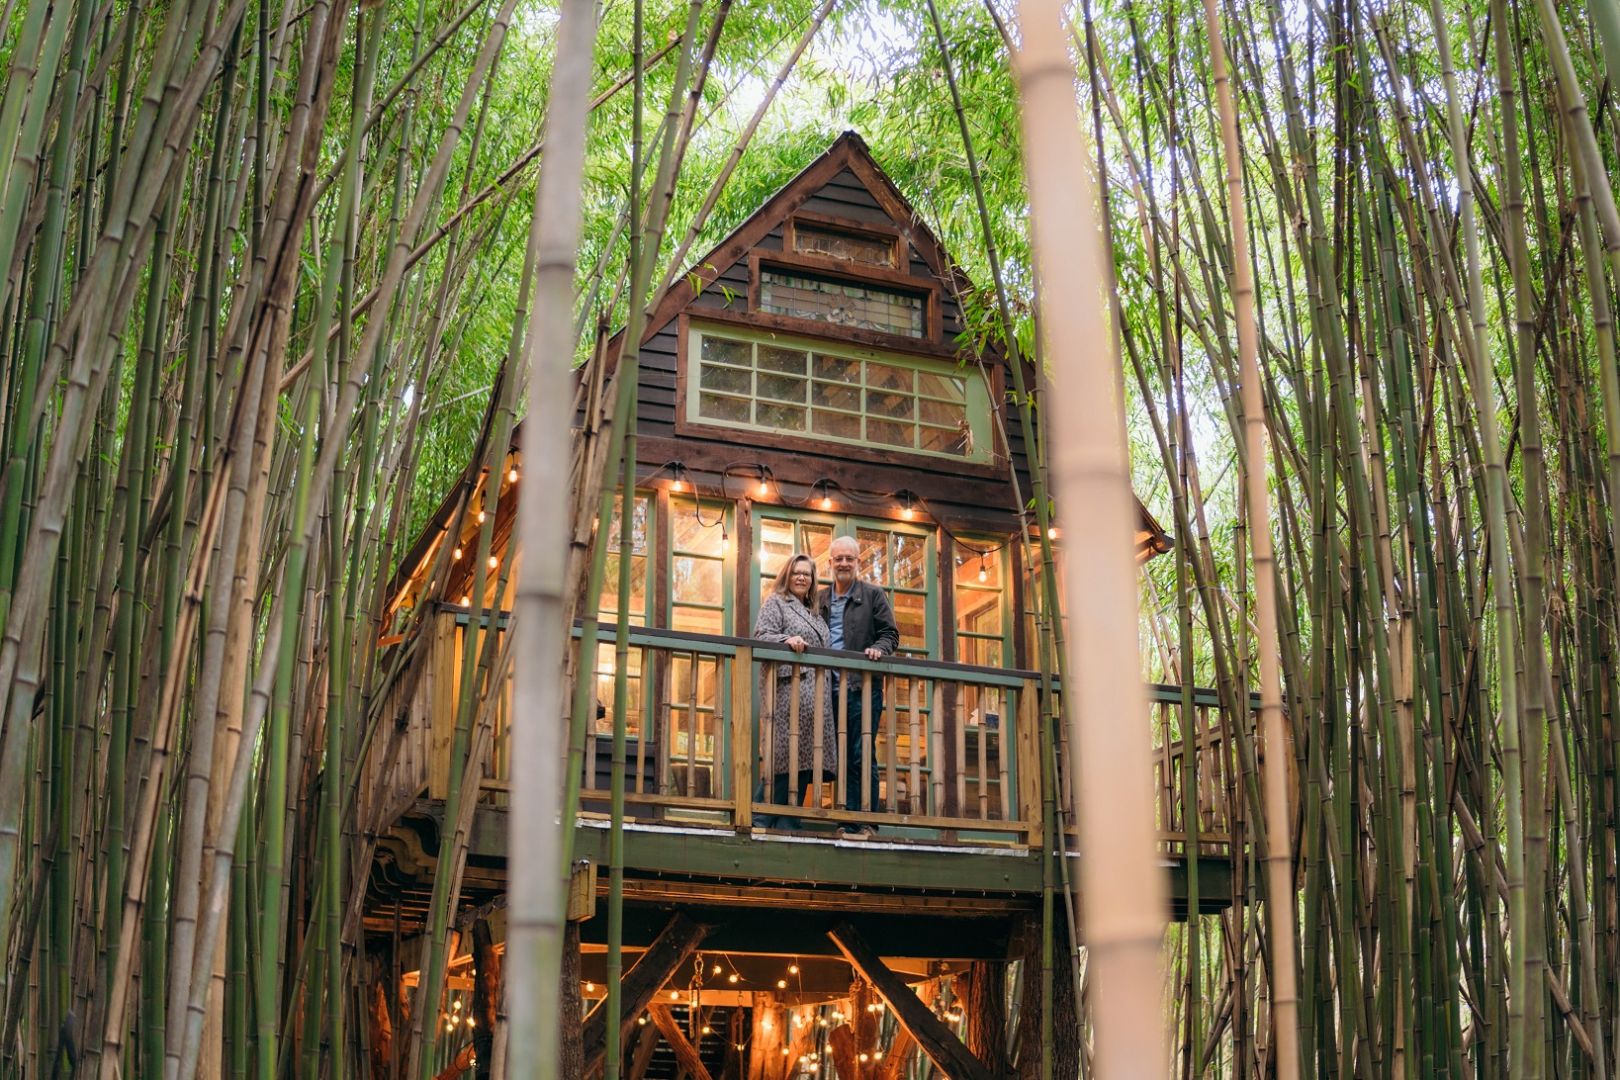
column 732, row 978
column 641, row 1020
column 984, row 569
column 494, row 561
column 511, row 475
column 725, row 540
column 761, row 489
column 717, row 969
column 781, row 984
column 481, row 517
column 590, row 988
column 907, row 511
column 466, row 601
column 1051, row 532
column 674, row 995
column 707, row 1030
column 471, row 1022
column 793, row 969
column 456, row 554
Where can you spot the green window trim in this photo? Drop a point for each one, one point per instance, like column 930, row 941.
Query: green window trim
column 702, row 565
column 829, row 526
column 996, row 562
column 836, row 392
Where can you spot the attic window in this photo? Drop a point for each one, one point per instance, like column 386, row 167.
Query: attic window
column 842, row 303
column 843, row 244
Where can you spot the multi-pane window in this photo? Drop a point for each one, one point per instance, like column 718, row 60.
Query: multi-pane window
column 840, row 395
column 698, row 573
column 843, row 303
column 640, row 538
column 981, row 625
column 775, row 539
column 899, row 560
column 608, row 609
column 842, row 244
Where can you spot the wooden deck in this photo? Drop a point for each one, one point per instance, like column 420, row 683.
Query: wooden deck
column 958, row 815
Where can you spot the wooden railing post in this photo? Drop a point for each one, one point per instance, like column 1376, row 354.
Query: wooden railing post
column 742, row 739
column 1030, row 772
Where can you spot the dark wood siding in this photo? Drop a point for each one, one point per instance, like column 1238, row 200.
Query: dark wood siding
column 960, row 495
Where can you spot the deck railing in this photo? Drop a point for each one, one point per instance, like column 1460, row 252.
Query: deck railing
column 955, row 746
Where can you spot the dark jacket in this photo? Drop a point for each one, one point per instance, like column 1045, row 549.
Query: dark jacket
column 868, row 618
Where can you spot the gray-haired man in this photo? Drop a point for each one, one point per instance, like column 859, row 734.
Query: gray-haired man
column 861, row 619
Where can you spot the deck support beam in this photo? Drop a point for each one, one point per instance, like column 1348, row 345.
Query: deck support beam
column 939, row 1042
column 686, row 1055
column 673, row 948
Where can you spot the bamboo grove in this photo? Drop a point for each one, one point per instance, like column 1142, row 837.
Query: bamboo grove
column 274, row 273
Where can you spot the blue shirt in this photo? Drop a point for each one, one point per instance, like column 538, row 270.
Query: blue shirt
column 835, row 618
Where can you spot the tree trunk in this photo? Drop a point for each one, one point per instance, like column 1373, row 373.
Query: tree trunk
column 572, row 1050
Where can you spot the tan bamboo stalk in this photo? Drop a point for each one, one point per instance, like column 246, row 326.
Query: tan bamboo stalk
column 537, row 914
column 1122, row 885
column 1279, row 849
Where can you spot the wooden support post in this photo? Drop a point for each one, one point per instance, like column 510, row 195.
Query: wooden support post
column 741, row 706
column 686, row 1054
column 673, row 947
column 572, row 1066
column 486, row 993
column 937, row 1041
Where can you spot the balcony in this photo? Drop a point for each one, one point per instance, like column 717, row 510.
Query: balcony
column 956, row 749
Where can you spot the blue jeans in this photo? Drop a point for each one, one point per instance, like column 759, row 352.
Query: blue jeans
column 859, row 769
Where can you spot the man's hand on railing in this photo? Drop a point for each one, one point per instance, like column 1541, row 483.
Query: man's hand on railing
column 874, row 654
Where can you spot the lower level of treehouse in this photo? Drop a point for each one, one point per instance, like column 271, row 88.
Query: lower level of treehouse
column 754, row 950
column 754, row 955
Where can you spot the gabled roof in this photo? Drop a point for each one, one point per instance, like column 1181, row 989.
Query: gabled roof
column 849, row 152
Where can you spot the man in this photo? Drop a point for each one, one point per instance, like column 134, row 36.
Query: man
column 861, row 619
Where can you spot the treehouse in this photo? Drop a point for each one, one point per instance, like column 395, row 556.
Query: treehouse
column 806, row 381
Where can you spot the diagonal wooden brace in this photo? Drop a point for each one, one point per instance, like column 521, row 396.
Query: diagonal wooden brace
column 674, row 947
column 937, row 1040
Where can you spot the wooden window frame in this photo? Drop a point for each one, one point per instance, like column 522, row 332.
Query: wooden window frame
column 899, row 250
column 853, row 274
column 980, row 403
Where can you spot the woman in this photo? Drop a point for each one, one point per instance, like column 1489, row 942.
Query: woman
column 788, row 617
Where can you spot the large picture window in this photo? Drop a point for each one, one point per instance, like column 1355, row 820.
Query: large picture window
column 837, row 393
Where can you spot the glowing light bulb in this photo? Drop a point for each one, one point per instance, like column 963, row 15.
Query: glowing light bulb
column 766, row 1024
column 590, row 988
column 717, row 969
column 877, row 1055
column 466, row 601
column 866, row 1057
column 678, row 486
column 725, row 544
column 481, row 517
column 732, row 977
column 760, row 489
column 494, row 561
column 793, row 969
column 674, row 995
column 511, row 475
column 641, row 1020
column 456, row 554
column 786, row 1052
column 908, row 513
column 826, row 502
column 1051, row 532
column 707, row 1030
column 781, row 984
column 984, row 571
column 471, row 1022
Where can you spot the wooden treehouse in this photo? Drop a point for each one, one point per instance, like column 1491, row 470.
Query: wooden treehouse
column 805, row 382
